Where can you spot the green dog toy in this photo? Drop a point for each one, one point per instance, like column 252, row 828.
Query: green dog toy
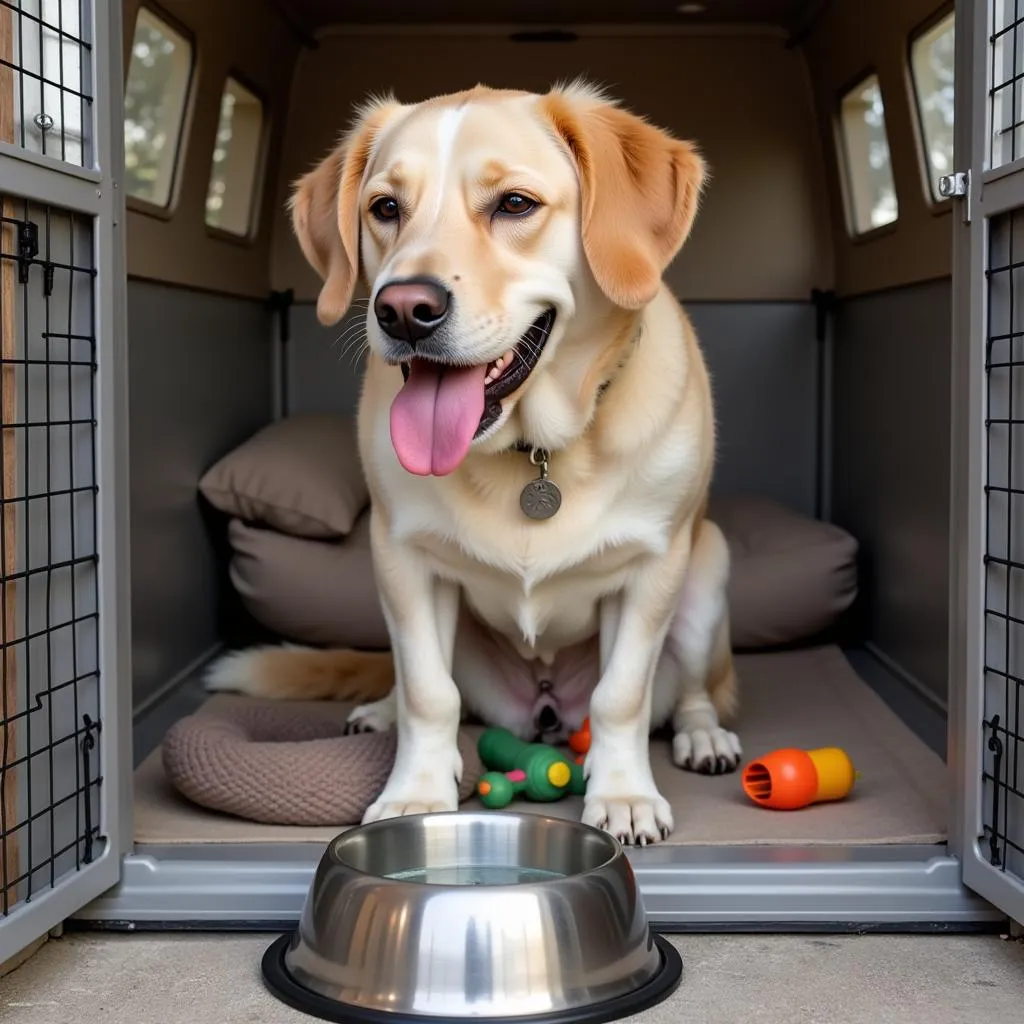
column 535, row 770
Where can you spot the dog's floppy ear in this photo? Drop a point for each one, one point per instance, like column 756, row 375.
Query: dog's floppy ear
column 325, row 213
column 639, row 190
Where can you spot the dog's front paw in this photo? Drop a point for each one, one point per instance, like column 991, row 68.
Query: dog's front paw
column 709, row 751
column 633, row 820
column 424, row 787
column 398, row 805
column 623, row 799
column 394, row 803
column 376, row 717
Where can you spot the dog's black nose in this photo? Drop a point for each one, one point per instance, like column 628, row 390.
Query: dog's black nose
column 411, row 310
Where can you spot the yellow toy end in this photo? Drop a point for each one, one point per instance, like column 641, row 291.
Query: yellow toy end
column 559, row 774
column 836, row 774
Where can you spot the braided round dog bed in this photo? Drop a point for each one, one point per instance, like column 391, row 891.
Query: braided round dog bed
column 283, row 765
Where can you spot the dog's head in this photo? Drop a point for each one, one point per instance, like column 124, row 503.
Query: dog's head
column 486, row 224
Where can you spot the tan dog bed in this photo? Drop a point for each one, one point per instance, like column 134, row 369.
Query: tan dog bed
column 286, row 765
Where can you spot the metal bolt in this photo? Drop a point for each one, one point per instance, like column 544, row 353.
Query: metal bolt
column 43, row 122
column 953, row 184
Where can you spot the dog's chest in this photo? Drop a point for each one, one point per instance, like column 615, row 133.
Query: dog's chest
column 539, row 583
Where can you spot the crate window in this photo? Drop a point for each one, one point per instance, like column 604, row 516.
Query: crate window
column 236, row 159
column 44, row 47
column 931, row 66
column 1005, row 67
column 156, row 94
column 871, row 191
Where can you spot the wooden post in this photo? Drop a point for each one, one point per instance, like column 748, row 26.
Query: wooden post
column 9, row 860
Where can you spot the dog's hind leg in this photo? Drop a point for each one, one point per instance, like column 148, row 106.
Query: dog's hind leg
column 377, row 716
column 699, row 644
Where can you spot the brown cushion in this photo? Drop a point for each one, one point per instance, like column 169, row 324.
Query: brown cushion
column 300, row 475
column 310, row 591
column 279, row 764
column 791, row 576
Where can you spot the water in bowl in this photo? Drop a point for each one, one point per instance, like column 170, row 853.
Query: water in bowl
column 475, row 874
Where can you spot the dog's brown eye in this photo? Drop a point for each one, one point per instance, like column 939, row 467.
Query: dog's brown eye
column 515, row 204
column 385, row 209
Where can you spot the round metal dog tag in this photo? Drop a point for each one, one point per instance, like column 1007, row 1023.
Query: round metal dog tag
column 540, row 499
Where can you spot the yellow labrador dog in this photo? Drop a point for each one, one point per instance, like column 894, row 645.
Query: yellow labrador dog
column 537, row 431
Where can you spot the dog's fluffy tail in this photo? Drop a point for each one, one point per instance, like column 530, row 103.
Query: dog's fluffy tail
column 304, row 673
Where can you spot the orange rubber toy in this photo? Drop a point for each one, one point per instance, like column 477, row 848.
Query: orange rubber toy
column 789, row 779
column 579, row 741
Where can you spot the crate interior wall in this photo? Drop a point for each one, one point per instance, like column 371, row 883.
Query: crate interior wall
column 835, row 430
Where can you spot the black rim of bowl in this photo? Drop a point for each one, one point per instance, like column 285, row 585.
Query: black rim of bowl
column 288, row 991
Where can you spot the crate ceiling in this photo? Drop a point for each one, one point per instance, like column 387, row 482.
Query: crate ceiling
column 315, row 14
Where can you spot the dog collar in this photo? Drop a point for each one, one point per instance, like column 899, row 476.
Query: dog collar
column 528, row 447
column 541, row 497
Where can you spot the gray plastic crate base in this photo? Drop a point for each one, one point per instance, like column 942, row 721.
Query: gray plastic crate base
column 898, row 888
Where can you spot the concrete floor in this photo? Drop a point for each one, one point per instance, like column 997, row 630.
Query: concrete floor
column 872, row 979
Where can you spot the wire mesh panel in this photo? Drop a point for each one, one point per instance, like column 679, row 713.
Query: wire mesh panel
column 1003, row 584
column 45, row 59
column 49, row 603
column 1006, row 89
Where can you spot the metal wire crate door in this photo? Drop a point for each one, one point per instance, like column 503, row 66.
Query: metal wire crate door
column 60, row 510
column 50, row 597
column 987, row 608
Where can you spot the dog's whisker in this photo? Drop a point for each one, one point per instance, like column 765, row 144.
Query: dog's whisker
column 355, row 355
column 355, row 321
column 533, row 349
column 522, row 359
column 535, row 346
column 356, row 346
column 346, row 339
column 352, row 359
column 357, row 342
column 352, row 328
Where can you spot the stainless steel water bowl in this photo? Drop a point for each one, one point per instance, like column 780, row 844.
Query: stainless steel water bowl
column 473, row 914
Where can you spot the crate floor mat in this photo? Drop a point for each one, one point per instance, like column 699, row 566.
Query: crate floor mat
column 810, row 698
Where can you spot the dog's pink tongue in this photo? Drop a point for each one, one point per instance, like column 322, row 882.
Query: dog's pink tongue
column 435, row 415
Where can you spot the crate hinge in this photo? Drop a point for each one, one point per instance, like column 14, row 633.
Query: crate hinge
column 27, row 253
column 995, row 746
column 957, row 186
